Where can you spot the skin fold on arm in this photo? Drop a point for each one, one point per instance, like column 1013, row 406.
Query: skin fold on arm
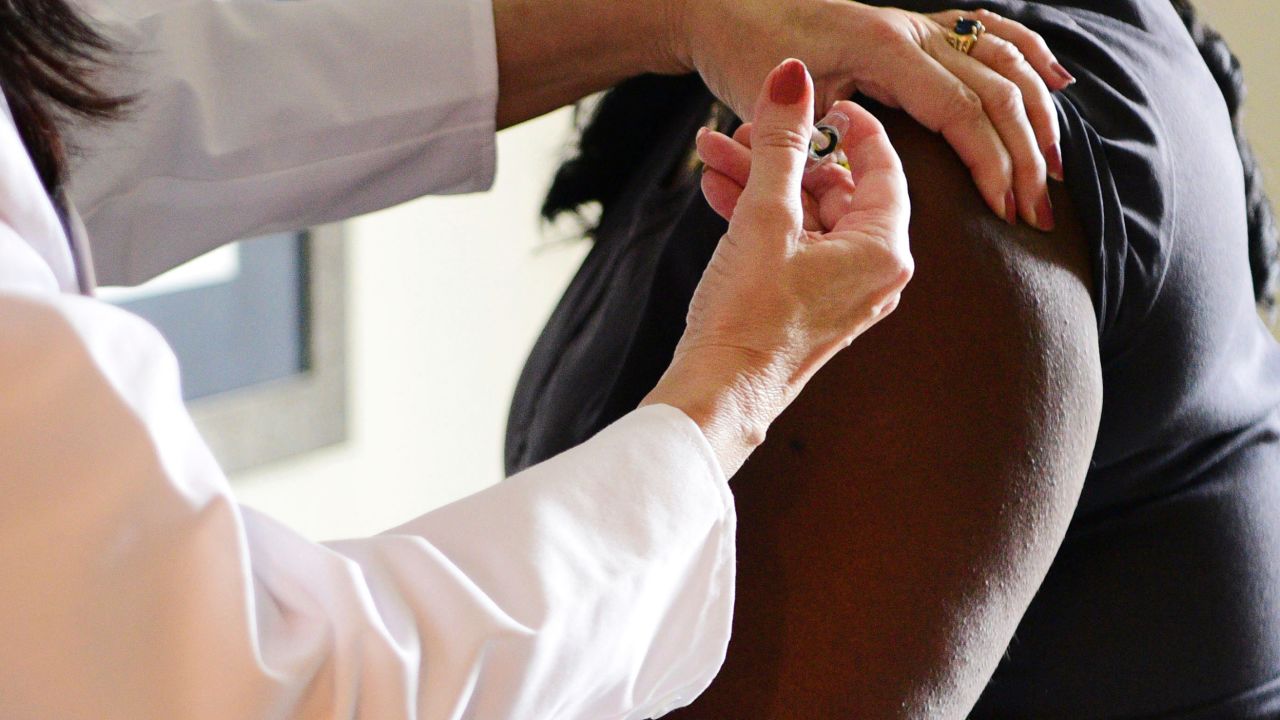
column 903, row 512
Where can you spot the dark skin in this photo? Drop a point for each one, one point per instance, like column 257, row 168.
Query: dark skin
column 902, row 513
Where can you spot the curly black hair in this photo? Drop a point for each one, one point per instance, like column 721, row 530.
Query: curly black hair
column 1263, row 232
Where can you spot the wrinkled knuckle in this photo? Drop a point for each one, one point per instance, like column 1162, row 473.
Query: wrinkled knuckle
column 1007, row 58
column 886, row 29
column 966, row 106
column 888, row 262
column 1006, row 99
column 906, row 269
column 896, row 266
column 783, row 138
column 769, row 216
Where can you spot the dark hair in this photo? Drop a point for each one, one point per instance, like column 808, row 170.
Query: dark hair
column 626, row 120
column 619, row 132
column 48, row 57
column 1225, row 68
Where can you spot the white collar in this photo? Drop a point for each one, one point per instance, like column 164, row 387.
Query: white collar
column 28, row 209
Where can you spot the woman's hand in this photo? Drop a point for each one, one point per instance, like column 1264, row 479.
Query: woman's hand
column 825, row 189
column 993, row 106
column 777, row 301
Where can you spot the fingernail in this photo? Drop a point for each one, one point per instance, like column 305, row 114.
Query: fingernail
column 1053, row 161
column 703, row 131
column 1044, row 213
column 1010, row 208
column 788, row 83
column 1067, row 77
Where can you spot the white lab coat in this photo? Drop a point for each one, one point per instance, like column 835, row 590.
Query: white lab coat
column 132, row 586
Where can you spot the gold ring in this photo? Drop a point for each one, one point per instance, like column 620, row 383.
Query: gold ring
column 965, row 34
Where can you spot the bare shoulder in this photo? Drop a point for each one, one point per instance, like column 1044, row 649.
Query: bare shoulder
column 903, row 512
column 1014, row 298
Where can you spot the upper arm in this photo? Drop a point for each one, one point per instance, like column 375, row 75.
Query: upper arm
column 904, row 511
column 261, row 117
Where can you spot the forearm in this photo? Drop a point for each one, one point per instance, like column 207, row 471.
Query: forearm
column 554, row 52
column 732, row 406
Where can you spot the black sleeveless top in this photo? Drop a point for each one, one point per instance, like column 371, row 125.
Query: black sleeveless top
column 1164, row 600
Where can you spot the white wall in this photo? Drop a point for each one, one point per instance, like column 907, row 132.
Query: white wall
column 448, row 294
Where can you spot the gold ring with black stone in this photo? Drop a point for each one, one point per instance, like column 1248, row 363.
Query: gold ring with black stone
column 964, row 35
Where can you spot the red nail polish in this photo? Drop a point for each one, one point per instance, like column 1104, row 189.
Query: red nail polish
column 788, row 83
column 1067, row 77
column 1053, row 161
column 1010, row 208
column 1044, row 213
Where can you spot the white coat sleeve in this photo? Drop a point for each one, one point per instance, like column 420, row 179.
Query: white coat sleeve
column 257, row 116
column 596, row 585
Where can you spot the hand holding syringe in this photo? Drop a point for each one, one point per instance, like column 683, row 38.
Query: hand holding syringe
column 828, row 184
column 777, row 299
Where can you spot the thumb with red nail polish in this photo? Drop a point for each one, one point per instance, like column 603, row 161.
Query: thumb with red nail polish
column 783, row 123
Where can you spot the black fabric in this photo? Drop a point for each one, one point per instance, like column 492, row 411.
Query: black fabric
column 1164, row 600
